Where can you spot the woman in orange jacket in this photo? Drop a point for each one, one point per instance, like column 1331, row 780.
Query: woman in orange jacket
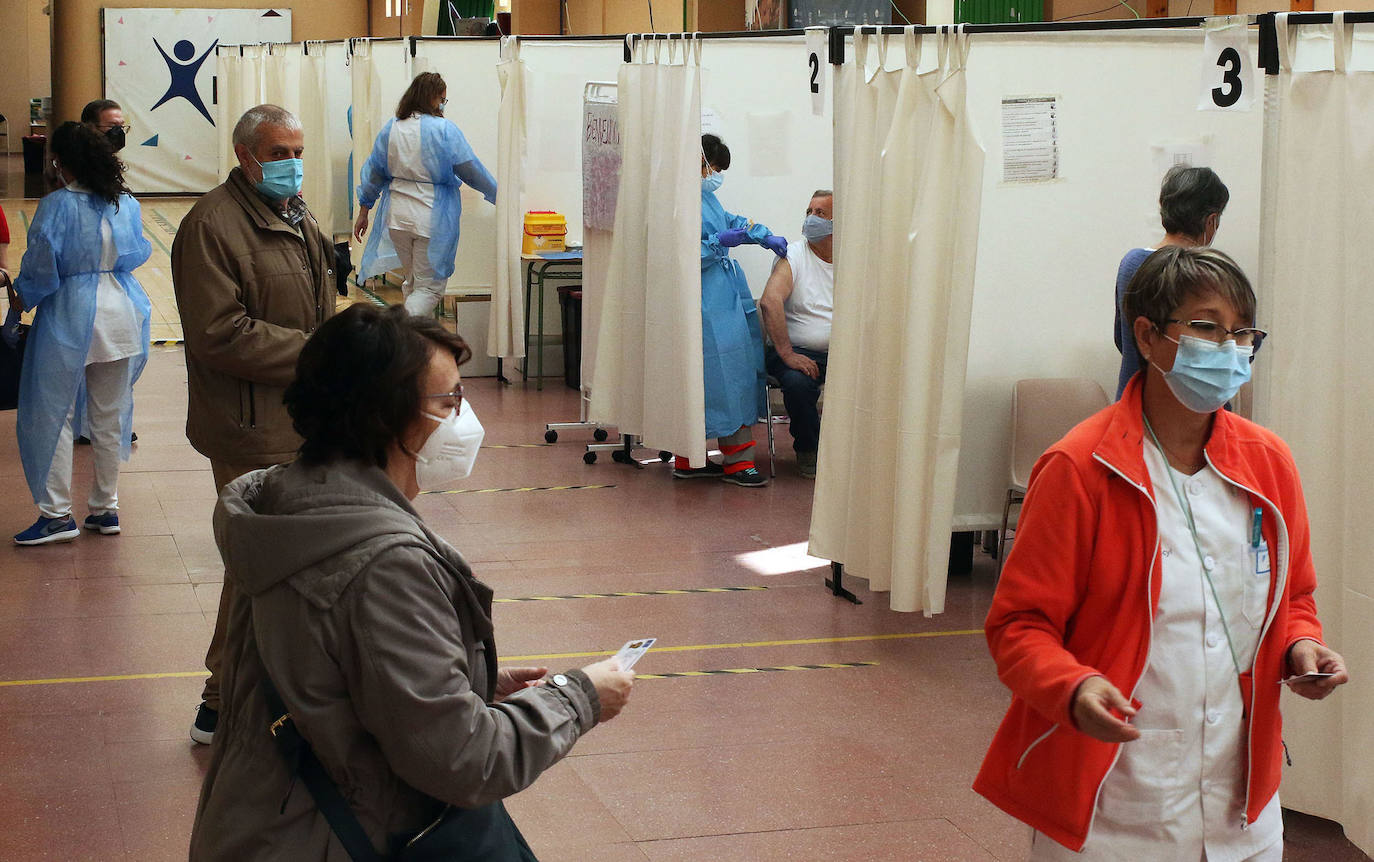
column 1159, row 592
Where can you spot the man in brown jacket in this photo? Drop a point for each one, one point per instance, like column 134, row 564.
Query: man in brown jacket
column 253, row 277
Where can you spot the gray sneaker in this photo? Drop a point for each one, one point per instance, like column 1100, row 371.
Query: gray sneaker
column 749, row 477
column 806, row 464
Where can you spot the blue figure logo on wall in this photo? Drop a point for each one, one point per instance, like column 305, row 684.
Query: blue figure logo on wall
column 183, row 71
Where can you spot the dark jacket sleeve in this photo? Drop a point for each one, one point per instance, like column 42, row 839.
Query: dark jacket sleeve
column 217, row 327
column 410, row 683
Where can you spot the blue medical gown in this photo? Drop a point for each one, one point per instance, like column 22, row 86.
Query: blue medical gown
column 731, row 335
column 60, row 275
column 448, row 163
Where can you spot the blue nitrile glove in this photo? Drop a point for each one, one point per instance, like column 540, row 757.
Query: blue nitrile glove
column 732, row 237
column 776, row 244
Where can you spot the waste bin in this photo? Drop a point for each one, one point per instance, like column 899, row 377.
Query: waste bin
column 34, row 145
column 570, row 301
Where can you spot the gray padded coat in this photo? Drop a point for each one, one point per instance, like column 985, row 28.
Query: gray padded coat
column 380, row 641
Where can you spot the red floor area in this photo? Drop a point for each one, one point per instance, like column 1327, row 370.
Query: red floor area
column 871, row 760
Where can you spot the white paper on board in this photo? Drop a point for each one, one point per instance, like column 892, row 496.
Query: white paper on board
column 1196, row 152
column 1228, row 69
column 1030, row 139
column 712, row 124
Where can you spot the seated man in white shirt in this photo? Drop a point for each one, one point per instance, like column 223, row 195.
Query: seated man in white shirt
column 796, row 306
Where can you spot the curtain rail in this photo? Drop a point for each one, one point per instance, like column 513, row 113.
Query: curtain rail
column 1265, row 22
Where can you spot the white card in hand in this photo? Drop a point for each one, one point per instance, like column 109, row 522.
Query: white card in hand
column 631, row 652
column 1305, row 677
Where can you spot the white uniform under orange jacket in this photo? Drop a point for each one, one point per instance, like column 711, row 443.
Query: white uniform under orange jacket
column 1078, row 598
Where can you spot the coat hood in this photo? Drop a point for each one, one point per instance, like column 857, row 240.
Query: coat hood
column 316, row 526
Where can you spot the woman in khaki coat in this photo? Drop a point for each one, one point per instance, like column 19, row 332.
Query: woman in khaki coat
column 373, row 629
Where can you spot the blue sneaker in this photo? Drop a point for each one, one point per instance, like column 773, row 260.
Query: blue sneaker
column 107, row 524
column 47, row 530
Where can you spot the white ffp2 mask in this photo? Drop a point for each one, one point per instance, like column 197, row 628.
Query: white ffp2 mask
column 450, row 451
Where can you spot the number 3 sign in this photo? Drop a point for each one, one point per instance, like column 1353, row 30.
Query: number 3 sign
column 1228, row 72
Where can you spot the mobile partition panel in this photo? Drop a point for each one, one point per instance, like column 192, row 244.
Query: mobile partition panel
column 1313, row 389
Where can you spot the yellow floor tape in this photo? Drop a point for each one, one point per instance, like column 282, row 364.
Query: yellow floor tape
column 504, row 490
column 511, row 659
column 627, row 594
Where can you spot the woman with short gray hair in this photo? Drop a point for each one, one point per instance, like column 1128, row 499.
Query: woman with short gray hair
column 1159, row 591
column 1191, row 201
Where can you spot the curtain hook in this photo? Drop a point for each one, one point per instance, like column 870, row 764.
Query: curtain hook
column 1340, row 41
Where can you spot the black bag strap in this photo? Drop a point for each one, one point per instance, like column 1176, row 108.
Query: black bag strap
column 301, row 761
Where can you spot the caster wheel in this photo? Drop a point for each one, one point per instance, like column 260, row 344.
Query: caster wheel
column 599, row 435
column 665, row 457
column 550, row 436
column 589, row 458
column 619, row 457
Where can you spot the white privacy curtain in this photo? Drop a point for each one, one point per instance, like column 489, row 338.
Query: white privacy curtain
column 506, row 324
column 321, row 188
column 596, row 261
column 1318, row 395
column 281, row 69
column 338, row 108
column 648, row 355
column 366, row 97
column 240, row 88
column 909, row 173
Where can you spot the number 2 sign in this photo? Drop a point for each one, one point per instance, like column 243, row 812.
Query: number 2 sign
column 817, row 58
column 1228, row 71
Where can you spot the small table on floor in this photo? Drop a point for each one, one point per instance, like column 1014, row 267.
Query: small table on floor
column 539, row 269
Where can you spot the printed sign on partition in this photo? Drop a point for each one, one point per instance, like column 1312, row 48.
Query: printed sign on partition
column 600, row 156
column 1030, row 139
column 1228, row 70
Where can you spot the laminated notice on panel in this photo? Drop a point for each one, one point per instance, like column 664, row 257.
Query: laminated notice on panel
column 600, row 156
column 1030, row 139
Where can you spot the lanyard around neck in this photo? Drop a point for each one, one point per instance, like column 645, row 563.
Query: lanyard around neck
column 1192, row 529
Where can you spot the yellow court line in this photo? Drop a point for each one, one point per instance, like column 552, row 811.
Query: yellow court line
column 118, row 678
column 514, row 658
column 793, row 642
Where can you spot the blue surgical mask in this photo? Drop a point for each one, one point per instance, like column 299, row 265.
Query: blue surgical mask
column 712, row 181
column 1206, row 375
column 281, row 179
column 816, row 228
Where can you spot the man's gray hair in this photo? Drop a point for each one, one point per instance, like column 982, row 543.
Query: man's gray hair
column 246, row 130
column 822, row 193
column 1188, row 196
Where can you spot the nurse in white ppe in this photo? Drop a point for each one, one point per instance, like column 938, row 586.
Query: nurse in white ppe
column 418, row 163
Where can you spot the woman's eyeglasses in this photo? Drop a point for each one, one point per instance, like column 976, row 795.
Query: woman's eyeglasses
column 456, row 395
column 1214, row 332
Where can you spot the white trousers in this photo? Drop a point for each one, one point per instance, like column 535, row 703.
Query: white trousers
column 107, row 386
column 422, row 291
column 1045, row 849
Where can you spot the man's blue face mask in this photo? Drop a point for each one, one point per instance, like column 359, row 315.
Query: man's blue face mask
column 815, row 228
column 281, row 179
